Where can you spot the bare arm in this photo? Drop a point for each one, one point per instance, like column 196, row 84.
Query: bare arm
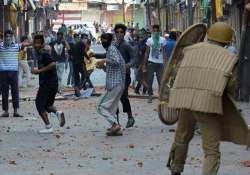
column 44, row 69
column 48, row 67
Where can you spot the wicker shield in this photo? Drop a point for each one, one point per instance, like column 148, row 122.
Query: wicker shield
column 194, row 34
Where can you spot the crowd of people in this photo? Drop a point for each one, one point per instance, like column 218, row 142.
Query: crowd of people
column 145, row 51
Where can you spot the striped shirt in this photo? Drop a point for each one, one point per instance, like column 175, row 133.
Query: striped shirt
column 9, row 57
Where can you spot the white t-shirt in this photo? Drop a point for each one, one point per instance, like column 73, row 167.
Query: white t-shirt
column 156, row 55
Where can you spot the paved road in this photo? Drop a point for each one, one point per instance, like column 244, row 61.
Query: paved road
column 81, row 147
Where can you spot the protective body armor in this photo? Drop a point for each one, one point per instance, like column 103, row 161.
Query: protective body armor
column 202, row 78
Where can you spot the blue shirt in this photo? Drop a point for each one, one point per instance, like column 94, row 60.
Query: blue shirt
column 170, row 44
column 9, row 57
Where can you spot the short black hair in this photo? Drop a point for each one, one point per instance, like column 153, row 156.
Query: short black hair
column 8, row 32
column 59, row 33
column 107, row 36
column 83, row 35
column 120, row 26
column 39, row 37
column 173, row 35
column 156, row 26
column 23, row 38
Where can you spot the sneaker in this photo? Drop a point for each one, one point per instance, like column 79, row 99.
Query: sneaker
column 5, row 114
column 131, row 122
column 61, row 118
column 150, row 99
column 46, row 131
column 114, row 131
column 17, row 115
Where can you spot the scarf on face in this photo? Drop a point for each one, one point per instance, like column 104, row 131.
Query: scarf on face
column 156, row 40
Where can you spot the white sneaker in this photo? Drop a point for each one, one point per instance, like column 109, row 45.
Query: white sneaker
column 61, row 118
column 46, row 131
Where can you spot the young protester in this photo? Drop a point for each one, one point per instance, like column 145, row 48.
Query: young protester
column 48, row 85
column 114, row 66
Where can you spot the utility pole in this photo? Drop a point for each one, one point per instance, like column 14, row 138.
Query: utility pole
column 159, row 12
column 148, row 14
column 244, row 55
column 190, row 12
column 213, row 9
column 123, row 9
column 134, row 12
column 3, row 21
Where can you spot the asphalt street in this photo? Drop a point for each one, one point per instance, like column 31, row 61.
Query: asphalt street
column 81, row 147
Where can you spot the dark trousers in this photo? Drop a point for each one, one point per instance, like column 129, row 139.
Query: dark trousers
column 9, row 79
column 154, row 68
column 79, row 74
column 45, row 98
column 124, row 98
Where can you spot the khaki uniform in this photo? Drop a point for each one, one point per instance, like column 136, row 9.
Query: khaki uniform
column 211, row 136
column 199, row 90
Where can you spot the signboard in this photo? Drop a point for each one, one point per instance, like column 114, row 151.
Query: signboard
column 73, row 6
column 112, row 7
column 95, row 1
column 85, row 1
column 125, row 1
